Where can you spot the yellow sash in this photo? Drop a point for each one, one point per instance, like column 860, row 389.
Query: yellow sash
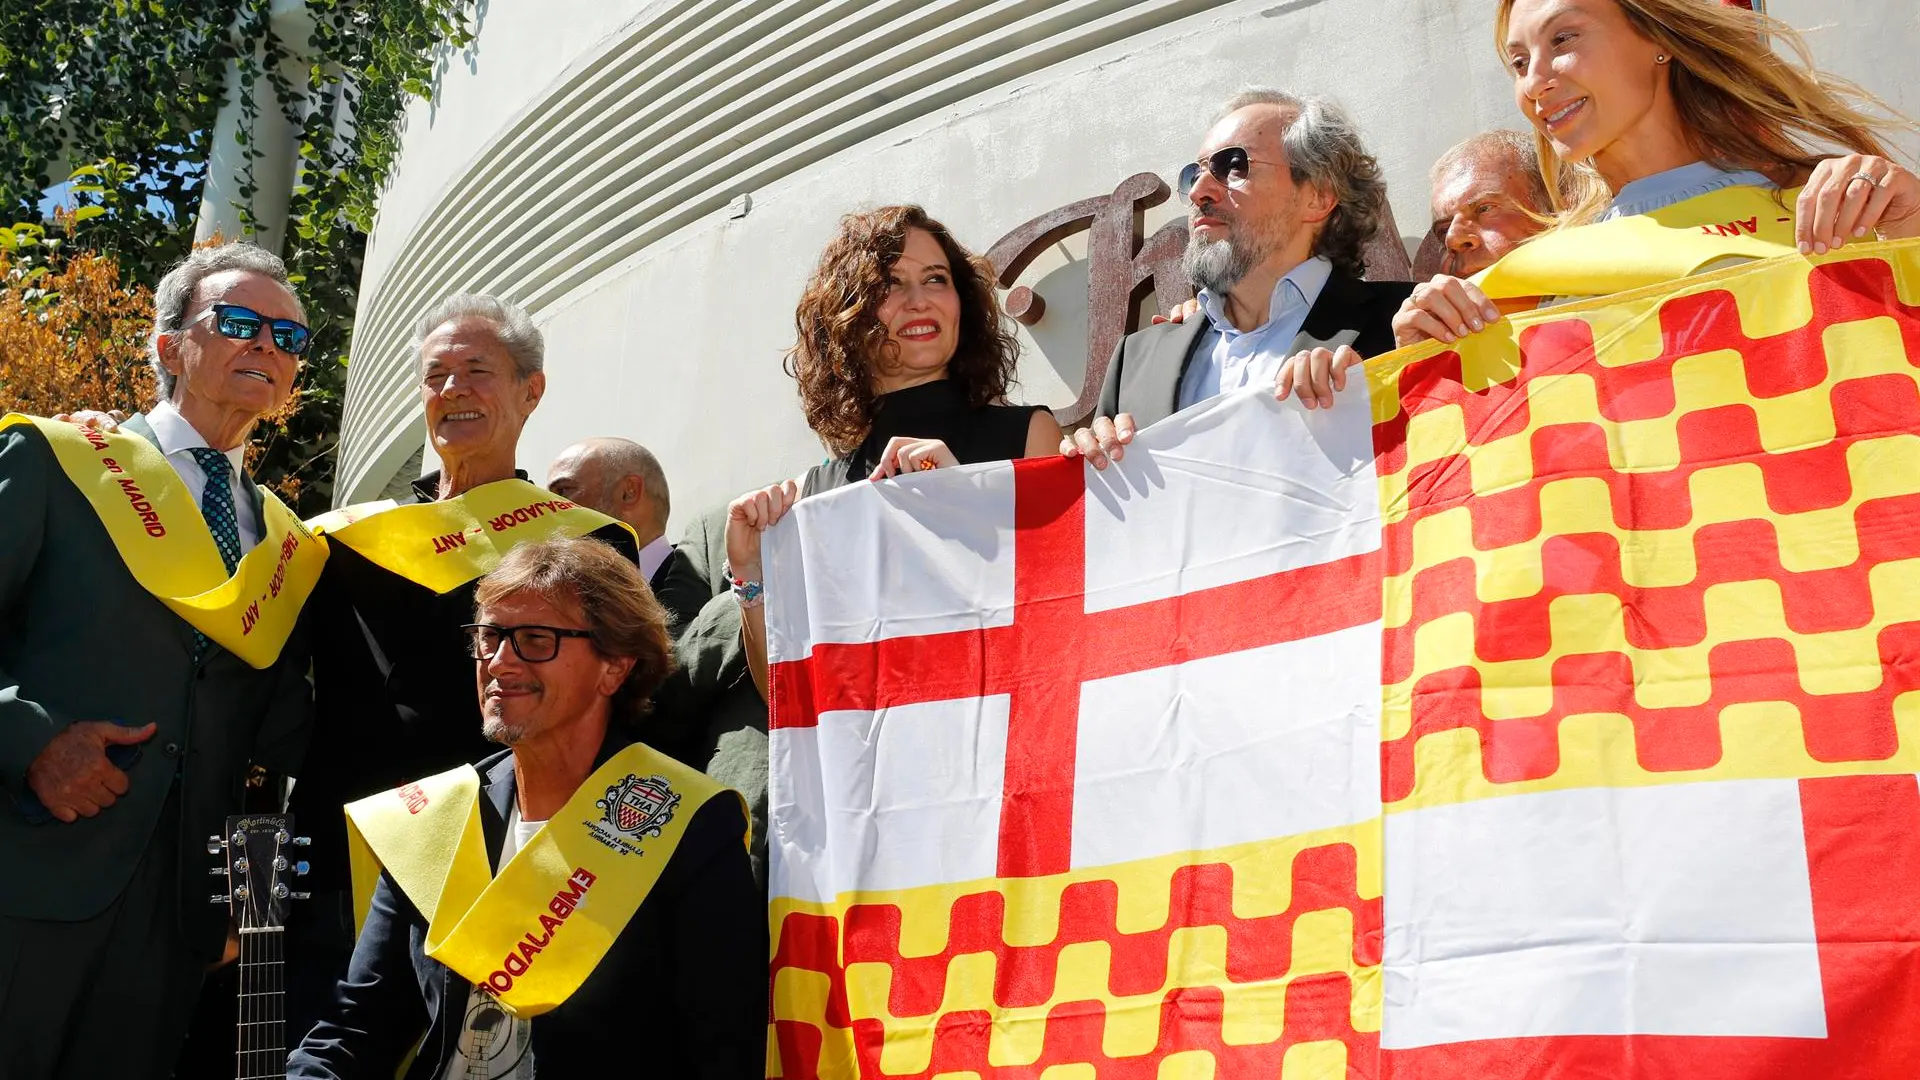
column 535, row 932
column 443, row 545
column 166, row 545
column 1646, row 249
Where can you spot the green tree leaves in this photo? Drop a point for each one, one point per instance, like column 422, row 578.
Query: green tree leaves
column 128, row 91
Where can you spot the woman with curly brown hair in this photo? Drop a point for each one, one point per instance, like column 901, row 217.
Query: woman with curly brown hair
column 904, row 364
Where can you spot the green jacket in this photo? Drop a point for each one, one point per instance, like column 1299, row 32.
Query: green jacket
column 716, row 720
column 83, row 641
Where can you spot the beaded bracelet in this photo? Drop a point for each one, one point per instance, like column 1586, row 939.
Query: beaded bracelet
column 750, row 593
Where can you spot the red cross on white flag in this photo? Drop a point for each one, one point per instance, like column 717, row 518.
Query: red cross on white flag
column 994, row 687
column 1033, row 638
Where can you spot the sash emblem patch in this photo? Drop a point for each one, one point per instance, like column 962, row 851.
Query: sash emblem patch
column 635, row 807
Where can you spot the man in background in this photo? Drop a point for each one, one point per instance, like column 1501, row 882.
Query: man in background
column 623, row 480
column 1488, row 198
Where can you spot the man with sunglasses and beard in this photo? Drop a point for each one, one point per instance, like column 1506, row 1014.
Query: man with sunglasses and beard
column 150, row 592
column 1282, row 200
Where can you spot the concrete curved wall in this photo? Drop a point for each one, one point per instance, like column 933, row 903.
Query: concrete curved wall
column 587, row 158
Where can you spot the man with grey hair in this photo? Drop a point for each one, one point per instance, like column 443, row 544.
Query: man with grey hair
column 1282, row 200
column 132, row 695
column 623, row 480
column 1488, row 198
column 393, row 686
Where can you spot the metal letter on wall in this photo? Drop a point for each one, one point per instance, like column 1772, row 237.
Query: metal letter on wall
column 1122, row 267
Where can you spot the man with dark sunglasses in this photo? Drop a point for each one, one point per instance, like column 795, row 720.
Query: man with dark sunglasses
column 1282, row 201
column 150, row 591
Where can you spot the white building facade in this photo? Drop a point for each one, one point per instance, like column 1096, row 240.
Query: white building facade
column 655, row 179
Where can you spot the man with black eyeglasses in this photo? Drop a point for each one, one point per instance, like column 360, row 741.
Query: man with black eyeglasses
column 1282, row 201
column 393, row 684
column 150, row 593
column 619, row 921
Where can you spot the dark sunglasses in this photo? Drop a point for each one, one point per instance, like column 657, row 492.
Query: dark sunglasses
column 243, row 324
column 1228, row 165
column 534, row 644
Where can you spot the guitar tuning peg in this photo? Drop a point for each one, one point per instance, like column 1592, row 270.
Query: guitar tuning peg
column 217, row 871
column 300, row 896
column 215, row 845
column 219, row 898
column 302, row 841
column 300, row 868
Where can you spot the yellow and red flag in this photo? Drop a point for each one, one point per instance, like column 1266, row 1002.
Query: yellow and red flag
column 1542, row 710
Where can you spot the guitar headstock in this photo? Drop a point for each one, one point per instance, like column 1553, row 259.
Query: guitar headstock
column 259, row 870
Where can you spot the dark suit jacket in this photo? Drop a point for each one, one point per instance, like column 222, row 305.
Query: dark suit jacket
column 682, row 993
column 394, row 692
column 711, row 716
column 85, row 642
column 680, row 588
column 1143, row 378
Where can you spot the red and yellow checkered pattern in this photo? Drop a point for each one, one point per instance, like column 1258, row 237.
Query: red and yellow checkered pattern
column 1257, row 960
column 1660, row 538
column 1666, row 537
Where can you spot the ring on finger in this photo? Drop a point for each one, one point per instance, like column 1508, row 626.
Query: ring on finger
column 926, row 465
column 1862, row 176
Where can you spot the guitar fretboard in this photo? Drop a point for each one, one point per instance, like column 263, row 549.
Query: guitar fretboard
column 262, row 1023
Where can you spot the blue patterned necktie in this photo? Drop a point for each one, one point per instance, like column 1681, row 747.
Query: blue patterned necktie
column 216, row 505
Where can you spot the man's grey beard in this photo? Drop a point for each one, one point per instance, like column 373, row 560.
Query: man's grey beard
column 1216, row 266
column 499, row 731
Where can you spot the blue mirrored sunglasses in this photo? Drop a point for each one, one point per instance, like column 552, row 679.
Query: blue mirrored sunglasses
column 243, row 324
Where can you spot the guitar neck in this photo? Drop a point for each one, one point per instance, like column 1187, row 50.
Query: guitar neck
column 262, row 1023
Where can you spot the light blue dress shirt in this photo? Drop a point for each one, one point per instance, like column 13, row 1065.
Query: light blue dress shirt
column 1663, row 189
column 1227, row 358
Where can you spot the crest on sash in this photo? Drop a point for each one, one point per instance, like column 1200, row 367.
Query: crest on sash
column 635, row 807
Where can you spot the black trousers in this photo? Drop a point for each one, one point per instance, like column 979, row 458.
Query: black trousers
column 104, row 997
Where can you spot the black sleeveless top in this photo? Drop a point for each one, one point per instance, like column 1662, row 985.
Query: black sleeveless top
column 935, row 410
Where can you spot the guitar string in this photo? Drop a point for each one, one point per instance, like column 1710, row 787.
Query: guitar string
column 261, row 1009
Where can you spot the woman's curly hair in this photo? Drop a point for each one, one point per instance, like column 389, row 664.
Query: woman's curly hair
column 842, row 342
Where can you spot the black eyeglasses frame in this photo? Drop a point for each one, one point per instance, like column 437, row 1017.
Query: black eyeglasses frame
column 511, row 635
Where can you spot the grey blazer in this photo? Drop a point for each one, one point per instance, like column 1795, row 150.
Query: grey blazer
column 83, row 641
column 1143, row 377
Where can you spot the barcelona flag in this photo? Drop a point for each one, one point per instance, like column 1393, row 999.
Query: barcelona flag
column 1547, row 709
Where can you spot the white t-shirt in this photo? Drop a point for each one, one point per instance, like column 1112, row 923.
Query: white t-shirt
column 495, row 1044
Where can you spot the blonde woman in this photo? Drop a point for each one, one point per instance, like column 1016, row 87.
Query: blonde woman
column 1651, row 103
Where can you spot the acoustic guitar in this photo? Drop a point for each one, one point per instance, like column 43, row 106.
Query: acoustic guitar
column 259, row 889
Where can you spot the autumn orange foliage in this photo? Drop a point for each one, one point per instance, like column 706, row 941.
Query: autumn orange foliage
column 72, row 337
column 76, row 338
